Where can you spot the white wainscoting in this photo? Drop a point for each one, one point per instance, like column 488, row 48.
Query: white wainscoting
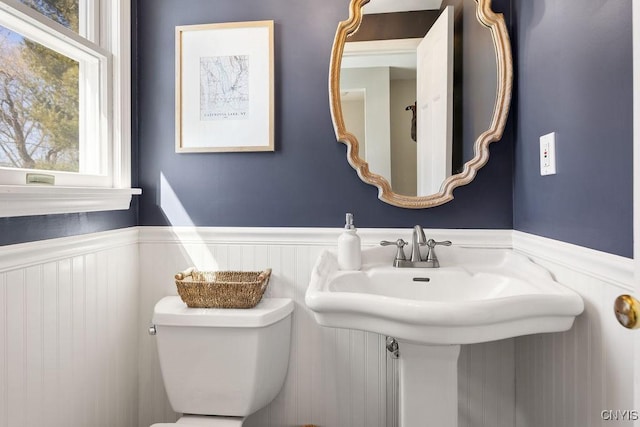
column 336, row 378
column 568, row 379
column 74, row 348
column 68, row 339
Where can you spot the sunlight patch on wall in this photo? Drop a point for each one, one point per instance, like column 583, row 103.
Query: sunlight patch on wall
column 191, row 241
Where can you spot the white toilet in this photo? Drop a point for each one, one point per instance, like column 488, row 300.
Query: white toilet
column 221, row 365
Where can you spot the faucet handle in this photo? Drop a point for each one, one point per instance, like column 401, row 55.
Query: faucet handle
column 431, row 253
column 432, row 243
column 399, row 244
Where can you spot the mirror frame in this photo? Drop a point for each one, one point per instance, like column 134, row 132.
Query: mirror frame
column 496, row 24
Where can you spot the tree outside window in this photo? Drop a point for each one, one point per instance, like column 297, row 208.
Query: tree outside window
column 39, row 97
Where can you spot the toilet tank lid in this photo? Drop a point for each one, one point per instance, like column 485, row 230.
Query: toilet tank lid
column 171, row 311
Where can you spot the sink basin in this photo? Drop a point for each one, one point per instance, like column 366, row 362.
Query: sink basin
column 476, row 295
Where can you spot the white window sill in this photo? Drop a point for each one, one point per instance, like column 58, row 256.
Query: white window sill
column 23, row 200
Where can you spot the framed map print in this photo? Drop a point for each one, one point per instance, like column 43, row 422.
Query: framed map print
column 224, row 87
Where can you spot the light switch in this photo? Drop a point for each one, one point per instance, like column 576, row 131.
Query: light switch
column 548, row 154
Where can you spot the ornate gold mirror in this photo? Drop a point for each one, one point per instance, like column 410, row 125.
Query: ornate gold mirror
column 418, row 90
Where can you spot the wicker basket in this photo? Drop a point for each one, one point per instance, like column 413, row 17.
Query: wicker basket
column 222, row 289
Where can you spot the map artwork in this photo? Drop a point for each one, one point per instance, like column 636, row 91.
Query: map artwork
column 224, row 87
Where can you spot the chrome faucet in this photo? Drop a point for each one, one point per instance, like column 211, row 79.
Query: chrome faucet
column 418, row 239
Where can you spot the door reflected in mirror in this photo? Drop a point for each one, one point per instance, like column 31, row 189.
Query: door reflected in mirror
column 417, row 88
column 424, row 86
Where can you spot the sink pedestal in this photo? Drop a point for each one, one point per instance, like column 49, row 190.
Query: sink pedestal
column 428, row 385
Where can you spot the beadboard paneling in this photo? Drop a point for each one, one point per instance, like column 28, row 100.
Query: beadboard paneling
column 336, row 377
column 567, row 379
column 68, row 347
column 486, row 385
column 74, row 351
column 68, row 306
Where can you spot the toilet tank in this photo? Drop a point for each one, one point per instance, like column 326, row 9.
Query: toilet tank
column 223, row 361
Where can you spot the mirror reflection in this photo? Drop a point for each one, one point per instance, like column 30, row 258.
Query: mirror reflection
column 418, row 85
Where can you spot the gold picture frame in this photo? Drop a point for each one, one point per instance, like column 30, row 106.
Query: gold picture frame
column 224, row 87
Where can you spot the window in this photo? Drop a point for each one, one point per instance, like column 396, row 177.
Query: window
column 64, row 105
column 64, row 12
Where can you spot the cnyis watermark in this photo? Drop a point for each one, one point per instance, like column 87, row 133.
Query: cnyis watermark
column 620, row 415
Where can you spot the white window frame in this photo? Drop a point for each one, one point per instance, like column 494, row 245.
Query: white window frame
column 111, row 32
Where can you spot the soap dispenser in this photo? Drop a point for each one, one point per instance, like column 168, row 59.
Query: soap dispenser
column 349, row 252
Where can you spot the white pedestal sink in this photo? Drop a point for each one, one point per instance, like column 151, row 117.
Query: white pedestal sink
column 428, row 385
column 477, row 295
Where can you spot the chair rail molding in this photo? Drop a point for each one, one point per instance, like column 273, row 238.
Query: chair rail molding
column 608, row 267
column 613, row 269
column 23, row 255
column 316, row 236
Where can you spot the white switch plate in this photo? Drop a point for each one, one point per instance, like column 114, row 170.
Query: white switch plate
column 548, row 154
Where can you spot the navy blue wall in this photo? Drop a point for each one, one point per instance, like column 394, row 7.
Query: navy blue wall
column 574, row 62
column 307, row 181
column 573, row 76
column 31, row 228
